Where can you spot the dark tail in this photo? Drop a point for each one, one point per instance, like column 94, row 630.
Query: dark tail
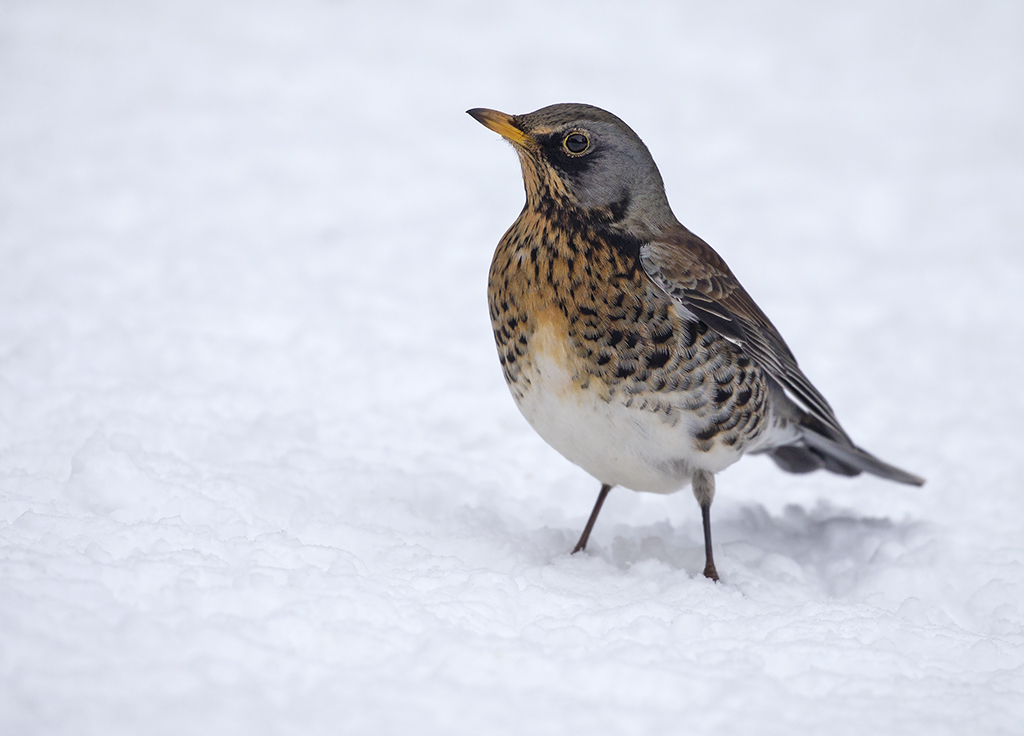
column 839, row 455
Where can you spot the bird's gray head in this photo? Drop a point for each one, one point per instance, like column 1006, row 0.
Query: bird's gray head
column 587, row 158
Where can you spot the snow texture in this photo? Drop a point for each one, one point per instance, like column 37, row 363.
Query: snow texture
column 259, row 472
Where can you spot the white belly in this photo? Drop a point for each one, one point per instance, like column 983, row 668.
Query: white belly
column 620, row 445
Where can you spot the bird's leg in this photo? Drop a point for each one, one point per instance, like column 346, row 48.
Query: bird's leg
column 704, row 490
column 582, row 544
column 709, row 565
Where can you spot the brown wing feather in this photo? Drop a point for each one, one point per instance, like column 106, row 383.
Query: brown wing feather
column 690, row 271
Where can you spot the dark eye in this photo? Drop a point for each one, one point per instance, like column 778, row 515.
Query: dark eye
column 576, row 143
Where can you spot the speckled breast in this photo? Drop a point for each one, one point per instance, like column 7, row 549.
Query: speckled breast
column 607, row 369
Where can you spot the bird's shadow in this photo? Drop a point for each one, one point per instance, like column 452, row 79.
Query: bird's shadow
column 827, row 547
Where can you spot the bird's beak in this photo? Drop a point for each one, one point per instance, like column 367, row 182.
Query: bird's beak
column 501, row 124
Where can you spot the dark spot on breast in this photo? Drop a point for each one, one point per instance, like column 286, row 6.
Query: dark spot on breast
column 707, row 434
column 657, row 359
column 628, row 247
column 625, row 370
column 663, row 334
column 722, row 395
column 632, row 339
column 743, row 397
column 690, row 334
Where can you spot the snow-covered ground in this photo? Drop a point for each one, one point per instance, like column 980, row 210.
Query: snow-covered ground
column 259, row 472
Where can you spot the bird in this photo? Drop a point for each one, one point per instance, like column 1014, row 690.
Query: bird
column 626, row 341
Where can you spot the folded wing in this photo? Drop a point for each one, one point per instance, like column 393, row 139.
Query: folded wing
column 696, row 277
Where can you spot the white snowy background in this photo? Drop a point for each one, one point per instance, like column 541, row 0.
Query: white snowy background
column 259, row 472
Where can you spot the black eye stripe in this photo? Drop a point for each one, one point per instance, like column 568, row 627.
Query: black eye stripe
column 576, row 143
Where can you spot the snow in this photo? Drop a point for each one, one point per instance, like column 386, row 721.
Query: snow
column 259, row 472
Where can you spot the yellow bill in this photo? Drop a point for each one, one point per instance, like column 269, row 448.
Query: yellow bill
column 500, row 123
